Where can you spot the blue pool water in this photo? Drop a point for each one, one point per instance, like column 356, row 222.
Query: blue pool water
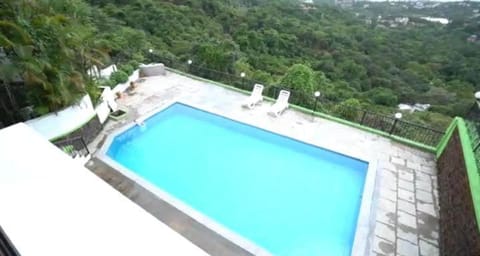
column 288, row 197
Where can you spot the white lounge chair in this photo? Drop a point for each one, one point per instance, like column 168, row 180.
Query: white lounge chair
column 255, row 98
column 281, row 104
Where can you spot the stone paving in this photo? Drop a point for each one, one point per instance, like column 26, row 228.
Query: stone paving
column 404, row 217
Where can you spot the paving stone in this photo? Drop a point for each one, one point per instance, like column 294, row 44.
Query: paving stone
column 383, row 247
column 389, row 194
column 387, row 205
column 407, row 219
column 388, row 166
column 407, row 185
column 432, row 238
column 429, row 163
column 428, row 227
column 397, row 161
column 407, row 233
column 428, row 169
column 406, row 207
column 423, row 177
column 423, row 185
column 405, row 248
column 386, row 217
column 427, row 249
column 405, row 175
column 426, row 197
column 413, row 165
column 388, row 179
column 385, row 231
column 426, row 208
column 406, row 195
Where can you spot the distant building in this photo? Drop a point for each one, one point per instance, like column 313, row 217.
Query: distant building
column 307, row 5
column 418, row 5
column 415, row 107
column 402, row 20
column 345, row 3
column 472, row 38
column 442, row 21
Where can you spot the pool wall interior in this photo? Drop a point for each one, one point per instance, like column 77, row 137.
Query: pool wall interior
column 308, row 186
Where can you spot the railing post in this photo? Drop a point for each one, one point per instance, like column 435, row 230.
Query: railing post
column 363, row 117
column 476, row 147
column 393, row 126
column 85, row 145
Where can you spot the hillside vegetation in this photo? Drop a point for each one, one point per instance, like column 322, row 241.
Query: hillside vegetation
column 336, row 51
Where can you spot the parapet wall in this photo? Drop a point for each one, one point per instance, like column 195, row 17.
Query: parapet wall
column 459, row 231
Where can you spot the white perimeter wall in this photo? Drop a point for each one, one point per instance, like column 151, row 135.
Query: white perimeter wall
column 54, row 125
column 69, row 119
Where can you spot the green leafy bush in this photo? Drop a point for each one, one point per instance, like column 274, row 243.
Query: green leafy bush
column 383, row 96
column 347, row 109
column 299, row 77
column 127, row 68
column 134, row 64
column 118, row 77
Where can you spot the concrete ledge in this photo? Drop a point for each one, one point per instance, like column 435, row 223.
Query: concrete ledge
column 152, row 70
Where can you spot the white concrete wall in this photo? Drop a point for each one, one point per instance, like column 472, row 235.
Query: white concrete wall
column 67, row 120
column 106, row 105
column 54, row 125
column 103, row 73
column 102, row 111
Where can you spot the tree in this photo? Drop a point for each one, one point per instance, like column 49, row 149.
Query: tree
column 50, row 50
column 299, row 77
column 348, row 109
column 383, row 96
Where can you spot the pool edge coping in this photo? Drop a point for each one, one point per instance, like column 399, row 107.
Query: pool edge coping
column 361, row 242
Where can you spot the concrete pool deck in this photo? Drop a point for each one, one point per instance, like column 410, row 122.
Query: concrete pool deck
column 405, row 203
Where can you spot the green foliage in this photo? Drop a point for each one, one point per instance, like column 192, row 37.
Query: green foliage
column 383, row 96
column 118, row 77
column 299, row 77
column 340, row 54
column 134, row 64
column 49, row 51
column 93, row 91
column 127, row 68
column 348, row 109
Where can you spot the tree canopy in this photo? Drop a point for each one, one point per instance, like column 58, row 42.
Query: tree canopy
column 345, row 53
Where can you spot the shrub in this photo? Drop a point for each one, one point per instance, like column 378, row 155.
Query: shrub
column 118, row 77
column 347, row 109
column 127, row 68
column 134, row 64
column 383, row 96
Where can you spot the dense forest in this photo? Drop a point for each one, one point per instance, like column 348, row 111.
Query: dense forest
column 350, row 55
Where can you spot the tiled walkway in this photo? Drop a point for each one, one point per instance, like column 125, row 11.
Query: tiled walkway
column 404, row 218
column 407, row 210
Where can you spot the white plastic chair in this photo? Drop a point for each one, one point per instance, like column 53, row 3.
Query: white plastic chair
column 281, row 104
column 254, row 98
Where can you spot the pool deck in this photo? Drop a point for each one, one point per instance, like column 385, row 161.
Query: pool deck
column 404, row 217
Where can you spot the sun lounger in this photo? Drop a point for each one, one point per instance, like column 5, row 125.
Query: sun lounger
column 254, row 98
column 281, row 104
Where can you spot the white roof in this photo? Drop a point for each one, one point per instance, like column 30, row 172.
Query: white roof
column 51, row 206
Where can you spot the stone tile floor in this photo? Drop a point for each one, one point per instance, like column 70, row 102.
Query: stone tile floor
column 404, row 218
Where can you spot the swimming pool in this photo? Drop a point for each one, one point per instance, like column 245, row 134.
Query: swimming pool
column 286, row 196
